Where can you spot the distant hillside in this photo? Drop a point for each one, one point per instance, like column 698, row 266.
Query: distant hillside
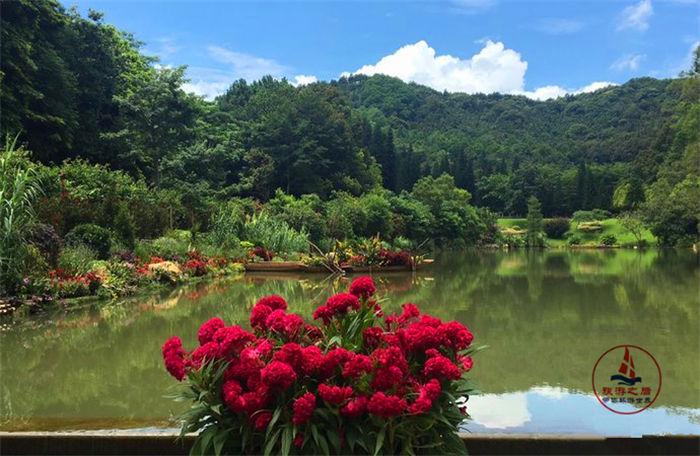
column 477, row 137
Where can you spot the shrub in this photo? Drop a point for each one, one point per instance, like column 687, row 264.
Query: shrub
column 166, row 271
column 49, row 243
column 590, row 227
column 93, row 236
column 76, row 259
column 556, row 228
column 344, row 386
column 165, row 247
column 271, row 233
column 19, row 189
column 124, row 226
column 590, row 216
column 608, row 239
column 574, row 240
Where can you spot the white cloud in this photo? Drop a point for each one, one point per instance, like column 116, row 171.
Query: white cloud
column 210, row 82
column 246, row 66
column 627, row 62
column 303, row 79
column 636, row 16
column 499, row 411
column 558, row 26
column 493, row 69
column 207, row 82
column 555, row 91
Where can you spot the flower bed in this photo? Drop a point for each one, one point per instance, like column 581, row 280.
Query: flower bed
column 357, row 382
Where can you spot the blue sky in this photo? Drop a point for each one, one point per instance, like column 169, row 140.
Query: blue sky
column 541, row 49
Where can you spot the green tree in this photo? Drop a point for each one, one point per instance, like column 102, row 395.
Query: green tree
column 534, row 222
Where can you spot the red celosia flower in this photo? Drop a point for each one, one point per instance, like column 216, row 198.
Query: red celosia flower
column 231, row 340
column 174, row 357
column 311, row 359
column 259, row 315
column 362, row 287
column 410, row 311
column 208, row 352
column 303, row 408
column 261, row 420
column 335, row 395
column 298, row 440
column 274, row 302
column 251, row 402
column 467, row 362
column 426, row 396
column 419, row 337
column 386, row 378
column 391, row 356
column 313, row 332
column 441, row 368
column 336, row 305
column 278, row 375
column 333, row 360
column 386, row 406
column 324, row 313
column 231, row 390
column 355, row 407
column 290, row 353
column 342, row 303
column 208, row 329
column 372, row 337
column 455, row 335
column 357, row 365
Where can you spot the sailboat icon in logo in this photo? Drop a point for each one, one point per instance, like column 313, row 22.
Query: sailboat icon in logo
column 626, row 375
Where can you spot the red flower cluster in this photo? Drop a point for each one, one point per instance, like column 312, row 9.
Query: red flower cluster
column 262, row 253
column 399, row 366
column 196, row 267
column 392, row 258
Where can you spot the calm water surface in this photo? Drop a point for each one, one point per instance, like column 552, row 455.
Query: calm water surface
column 546, row 318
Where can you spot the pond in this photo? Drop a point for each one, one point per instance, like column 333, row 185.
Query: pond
column 546, row 318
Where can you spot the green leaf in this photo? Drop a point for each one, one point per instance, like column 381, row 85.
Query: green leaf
column 275, row 417
column 286, row 440
column 380, row 441
column 271, row 442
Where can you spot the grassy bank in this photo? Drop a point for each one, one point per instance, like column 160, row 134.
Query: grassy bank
column 609, row 227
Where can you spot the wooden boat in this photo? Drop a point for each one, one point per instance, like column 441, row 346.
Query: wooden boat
column 297, row 266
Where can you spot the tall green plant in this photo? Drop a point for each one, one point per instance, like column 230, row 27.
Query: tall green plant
column 19, row 189
column 274, row 234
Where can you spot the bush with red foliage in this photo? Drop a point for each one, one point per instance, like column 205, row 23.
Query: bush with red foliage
column 358, row 382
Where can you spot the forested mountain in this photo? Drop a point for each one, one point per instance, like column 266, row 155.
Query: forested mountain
column 76, row 87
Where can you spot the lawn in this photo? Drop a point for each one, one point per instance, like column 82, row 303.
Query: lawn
column 610, row 226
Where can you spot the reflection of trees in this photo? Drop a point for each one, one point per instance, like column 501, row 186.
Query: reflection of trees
column 545, row 316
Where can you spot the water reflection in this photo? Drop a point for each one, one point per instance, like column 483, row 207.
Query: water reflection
column 546, row 317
